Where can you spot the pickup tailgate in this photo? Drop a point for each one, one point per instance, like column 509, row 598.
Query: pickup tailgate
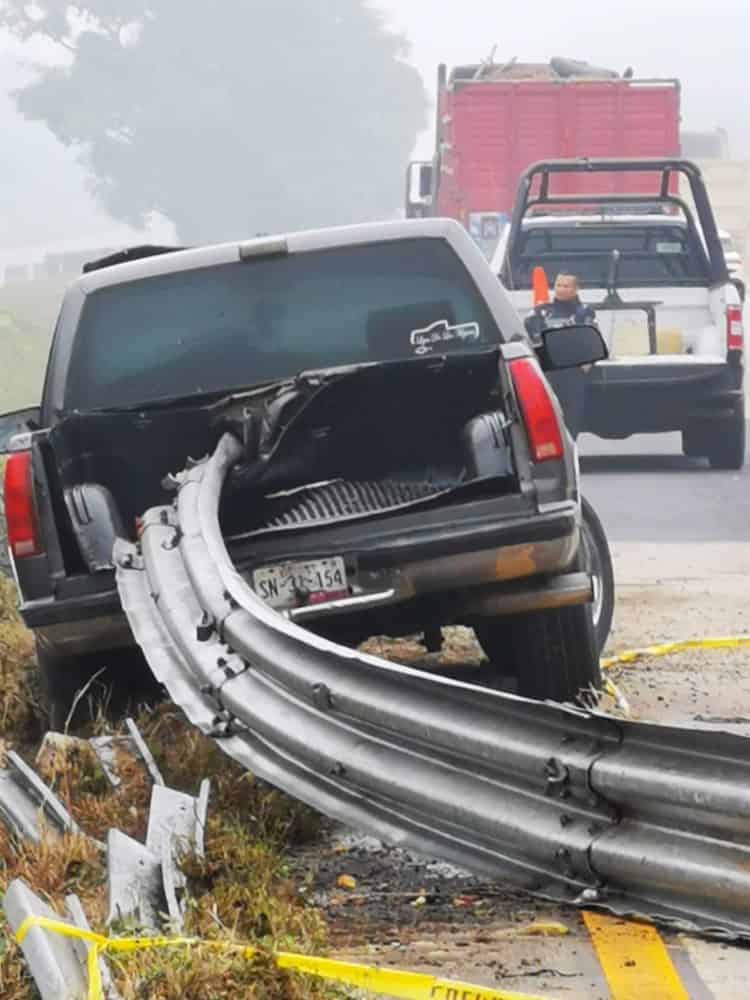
column 690, row 323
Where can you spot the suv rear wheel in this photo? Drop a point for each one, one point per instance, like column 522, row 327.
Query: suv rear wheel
column 552, row 654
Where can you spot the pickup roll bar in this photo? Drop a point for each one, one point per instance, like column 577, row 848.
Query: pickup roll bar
column 545, row 169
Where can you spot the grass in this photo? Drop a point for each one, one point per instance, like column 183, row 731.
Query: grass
column 239, row 892
column 19, row 701
column 28, row 311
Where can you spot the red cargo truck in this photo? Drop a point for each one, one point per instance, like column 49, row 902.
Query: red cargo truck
column 494, row 121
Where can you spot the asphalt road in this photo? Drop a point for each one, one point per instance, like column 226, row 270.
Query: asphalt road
column 645, row 490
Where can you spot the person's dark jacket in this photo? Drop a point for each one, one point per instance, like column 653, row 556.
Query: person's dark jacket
column 569, row 385
column 556, row 314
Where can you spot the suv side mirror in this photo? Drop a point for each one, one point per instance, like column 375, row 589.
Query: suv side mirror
column 570, row 347
column 17, row 422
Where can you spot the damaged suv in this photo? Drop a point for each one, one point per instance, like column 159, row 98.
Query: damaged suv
column 406, row 465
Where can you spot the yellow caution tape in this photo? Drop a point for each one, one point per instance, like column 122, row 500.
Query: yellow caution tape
column 667, row 648
column 617, row 697
column 388, row 982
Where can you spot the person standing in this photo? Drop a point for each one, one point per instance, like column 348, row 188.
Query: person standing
column 566, row 309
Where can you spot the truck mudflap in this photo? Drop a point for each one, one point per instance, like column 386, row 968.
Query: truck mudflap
column 634, row 818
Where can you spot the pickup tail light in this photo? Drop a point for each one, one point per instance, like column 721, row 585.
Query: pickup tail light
column 20, row 512
column 537, row 409
column 735, row 329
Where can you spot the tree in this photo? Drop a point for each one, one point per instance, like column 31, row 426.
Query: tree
column 230, row 119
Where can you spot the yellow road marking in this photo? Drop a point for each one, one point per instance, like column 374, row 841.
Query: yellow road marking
column 634, row 959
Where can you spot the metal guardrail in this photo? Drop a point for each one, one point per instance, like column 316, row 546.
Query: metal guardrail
column 640, row 819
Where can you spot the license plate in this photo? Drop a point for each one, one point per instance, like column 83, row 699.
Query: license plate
column 292, row 584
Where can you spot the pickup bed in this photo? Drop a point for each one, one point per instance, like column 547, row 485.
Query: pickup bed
column 405, row 465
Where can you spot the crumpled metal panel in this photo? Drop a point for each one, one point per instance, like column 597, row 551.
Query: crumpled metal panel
column 134, row 883
column 26, row 802
column 640, row 819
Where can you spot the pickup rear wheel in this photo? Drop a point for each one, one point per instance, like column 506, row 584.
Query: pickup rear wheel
column 552, row 654
column 598, row 561
column 726, row 446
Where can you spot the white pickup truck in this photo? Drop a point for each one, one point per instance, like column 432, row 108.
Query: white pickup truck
column 653, row 268
column 734, row 262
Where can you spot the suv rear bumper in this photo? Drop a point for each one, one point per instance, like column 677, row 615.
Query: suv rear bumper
column 623, row 398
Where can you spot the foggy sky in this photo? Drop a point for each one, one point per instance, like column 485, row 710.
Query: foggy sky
column 42, row 193
column 705, row 45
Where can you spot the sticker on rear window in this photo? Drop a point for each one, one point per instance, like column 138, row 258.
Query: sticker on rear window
column 424, row 341
column 669, row 247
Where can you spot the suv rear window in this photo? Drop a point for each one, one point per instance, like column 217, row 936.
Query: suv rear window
column 649, row 255
column 244, row 323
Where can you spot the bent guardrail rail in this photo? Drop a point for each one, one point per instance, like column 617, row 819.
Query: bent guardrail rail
column 640, row 819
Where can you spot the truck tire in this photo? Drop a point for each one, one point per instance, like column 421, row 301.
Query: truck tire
column 552, row 654
column 599, row 563
column 693, row 439
column 726, row 446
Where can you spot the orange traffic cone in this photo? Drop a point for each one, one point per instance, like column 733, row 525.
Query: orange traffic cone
column 540, row 286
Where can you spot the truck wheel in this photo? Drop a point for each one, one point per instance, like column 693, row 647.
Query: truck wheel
column 693, row 442
column 598, row 560
column 552, row 654
column 726, row 446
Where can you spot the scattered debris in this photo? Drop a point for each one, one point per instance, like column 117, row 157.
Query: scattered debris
column 111, row 750
column 53, row 960
column 135, row 883
column 27, row 805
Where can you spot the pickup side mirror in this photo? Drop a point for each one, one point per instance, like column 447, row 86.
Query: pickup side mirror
column 570, row 347
column 17, row 422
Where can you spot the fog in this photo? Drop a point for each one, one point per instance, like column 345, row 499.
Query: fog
column 43, row 197
column 704, row 45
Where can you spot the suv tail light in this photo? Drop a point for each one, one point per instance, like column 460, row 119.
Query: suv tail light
column 20, row 514
column 537, row 410
column 735, row 329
